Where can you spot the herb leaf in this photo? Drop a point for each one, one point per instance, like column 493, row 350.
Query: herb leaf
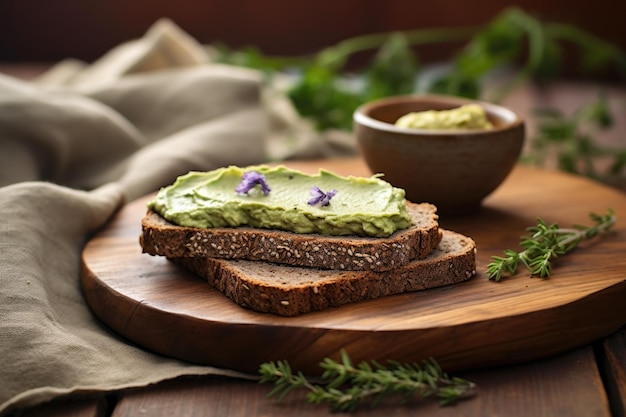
column 393, row 70
column 318, row 95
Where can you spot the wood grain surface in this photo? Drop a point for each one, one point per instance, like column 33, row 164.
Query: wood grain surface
column 475, row 324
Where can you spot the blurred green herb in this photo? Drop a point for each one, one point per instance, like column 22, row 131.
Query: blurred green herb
column 572, row 142
column 345, row 386
column 327, row 93
column 512, row 39
column 324, row 93
column 544, row 244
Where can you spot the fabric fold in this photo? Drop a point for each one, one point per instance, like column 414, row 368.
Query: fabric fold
column 51, row 343
column 67, row 136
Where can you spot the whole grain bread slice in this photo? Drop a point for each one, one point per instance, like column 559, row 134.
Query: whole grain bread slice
column 160, row 237
column 289, row 291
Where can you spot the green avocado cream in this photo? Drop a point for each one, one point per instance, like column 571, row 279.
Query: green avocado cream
column 469, row 116
column 358, row 206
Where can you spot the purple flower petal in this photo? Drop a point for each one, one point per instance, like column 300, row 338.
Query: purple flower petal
column 319, row 196
column 251, row 179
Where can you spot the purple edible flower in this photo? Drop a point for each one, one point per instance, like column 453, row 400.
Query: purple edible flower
column 251, row 179
column 320, row 196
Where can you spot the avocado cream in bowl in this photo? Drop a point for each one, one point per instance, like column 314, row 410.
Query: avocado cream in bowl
column 467, row 116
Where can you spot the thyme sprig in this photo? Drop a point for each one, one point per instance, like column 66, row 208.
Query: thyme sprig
column 345, row 386
column 544, row 244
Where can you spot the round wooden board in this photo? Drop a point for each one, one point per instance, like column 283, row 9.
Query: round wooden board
column 477, row 323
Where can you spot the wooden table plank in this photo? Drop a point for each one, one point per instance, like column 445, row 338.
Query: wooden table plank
column 567, row 385
column 74, row 406
column 613, row 363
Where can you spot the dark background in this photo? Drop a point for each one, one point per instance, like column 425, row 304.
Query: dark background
column 50, row 30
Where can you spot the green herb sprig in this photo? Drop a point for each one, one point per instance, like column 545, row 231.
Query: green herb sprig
column 512, row 38
column 544, row 244
column 327, row 90
column 569, row 140
column 345, row 386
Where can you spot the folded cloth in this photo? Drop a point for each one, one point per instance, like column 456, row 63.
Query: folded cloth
column 78, row 143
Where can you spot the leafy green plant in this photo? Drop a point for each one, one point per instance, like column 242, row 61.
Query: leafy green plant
column 571, row 142
column 544, row 244
column 327, row 93
column 512, row 38
column 345, row 386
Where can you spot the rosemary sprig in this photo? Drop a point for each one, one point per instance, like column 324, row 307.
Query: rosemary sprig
column 544, row 244
column 345, row 386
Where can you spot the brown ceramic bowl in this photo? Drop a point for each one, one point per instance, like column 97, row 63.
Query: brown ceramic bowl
column 453, row 169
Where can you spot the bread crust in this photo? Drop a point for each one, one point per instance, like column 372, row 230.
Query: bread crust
column 160, row 237
column 289, row 291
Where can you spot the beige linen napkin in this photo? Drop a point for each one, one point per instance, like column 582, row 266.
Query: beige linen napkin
column 77, row 144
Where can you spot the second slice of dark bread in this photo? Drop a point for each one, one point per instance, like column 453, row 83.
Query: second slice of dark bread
column 289, row 291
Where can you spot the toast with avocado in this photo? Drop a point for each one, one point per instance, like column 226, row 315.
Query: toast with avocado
column 289, row 291
column 283, row 242
column 278, row 215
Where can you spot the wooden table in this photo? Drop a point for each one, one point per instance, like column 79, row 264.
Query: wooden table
column 587, row 381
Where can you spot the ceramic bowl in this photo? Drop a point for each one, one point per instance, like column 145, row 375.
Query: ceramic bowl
column 453, row 169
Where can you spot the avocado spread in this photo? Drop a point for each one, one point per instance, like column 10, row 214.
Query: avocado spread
column 469, row 116
column 349, row 205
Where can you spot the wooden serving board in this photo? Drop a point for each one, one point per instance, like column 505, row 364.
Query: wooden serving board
column 475, row 324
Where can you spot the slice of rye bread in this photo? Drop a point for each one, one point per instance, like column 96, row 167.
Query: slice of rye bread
column 160, row 237
column 289, row 291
